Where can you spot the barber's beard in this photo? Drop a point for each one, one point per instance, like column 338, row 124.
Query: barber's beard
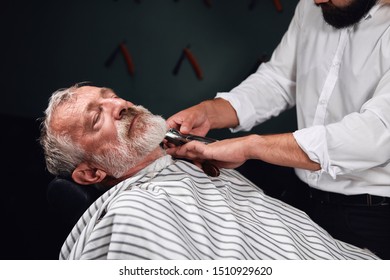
column 341, row 17
column 146, row 134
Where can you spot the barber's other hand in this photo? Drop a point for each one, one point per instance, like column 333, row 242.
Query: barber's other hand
column 193, row 120
column 229, row 153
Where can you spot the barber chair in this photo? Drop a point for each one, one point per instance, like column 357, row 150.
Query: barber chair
column 69, row 200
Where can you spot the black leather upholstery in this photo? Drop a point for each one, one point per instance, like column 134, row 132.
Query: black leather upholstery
column 70, row 198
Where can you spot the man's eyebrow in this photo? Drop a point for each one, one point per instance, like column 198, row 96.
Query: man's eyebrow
column 104, row 91
column 86, row 118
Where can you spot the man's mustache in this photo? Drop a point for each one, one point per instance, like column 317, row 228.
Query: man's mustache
column 126, row 122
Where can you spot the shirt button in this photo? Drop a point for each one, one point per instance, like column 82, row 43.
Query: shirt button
column 323, row 102
column 312, row 176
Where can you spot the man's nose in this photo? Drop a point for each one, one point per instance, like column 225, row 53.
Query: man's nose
column 119, row 107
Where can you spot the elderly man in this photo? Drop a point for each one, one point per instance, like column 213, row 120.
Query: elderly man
column 156, row 207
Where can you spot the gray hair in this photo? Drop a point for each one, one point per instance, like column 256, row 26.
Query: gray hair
column 62, row 154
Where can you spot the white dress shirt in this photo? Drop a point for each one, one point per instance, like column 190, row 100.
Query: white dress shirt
column 339, row 80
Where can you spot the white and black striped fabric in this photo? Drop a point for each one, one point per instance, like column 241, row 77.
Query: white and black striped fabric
column 172, row 210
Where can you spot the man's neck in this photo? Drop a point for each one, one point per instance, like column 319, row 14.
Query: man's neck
column 153, row 156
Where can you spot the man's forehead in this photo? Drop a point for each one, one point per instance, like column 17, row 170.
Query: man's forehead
column 82, row 97
column 93, row 91
column 67, row 116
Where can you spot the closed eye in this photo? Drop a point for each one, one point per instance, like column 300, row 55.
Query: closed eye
column 96, row 117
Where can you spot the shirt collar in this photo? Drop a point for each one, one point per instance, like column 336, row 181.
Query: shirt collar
column 373, row 10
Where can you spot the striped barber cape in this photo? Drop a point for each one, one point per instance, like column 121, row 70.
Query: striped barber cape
column 172, row 210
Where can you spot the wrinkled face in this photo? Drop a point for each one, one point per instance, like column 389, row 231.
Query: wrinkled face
column 344, row 13
column 114, row 132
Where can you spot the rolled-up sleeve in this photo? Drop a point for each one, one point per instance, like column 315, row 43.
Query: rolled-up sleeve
column 360, row 141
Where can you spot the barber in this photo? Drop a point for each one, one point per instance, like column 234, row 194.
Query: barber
column 333, row 65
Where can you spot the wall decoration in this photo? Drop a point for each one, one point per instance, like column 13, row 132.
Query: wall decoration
column 121, row 48
column 186, row 53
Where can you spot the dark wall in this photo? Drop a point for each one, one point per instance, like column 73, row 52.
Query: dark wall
column 28, row 229
column 47, row 45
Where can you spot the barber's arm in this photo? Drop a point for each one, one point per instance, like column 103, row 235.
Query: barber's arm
column 360, row 141
column 279, row 149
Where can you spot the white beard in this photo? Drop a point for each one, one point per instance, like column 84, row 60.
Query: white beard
column 145, row 136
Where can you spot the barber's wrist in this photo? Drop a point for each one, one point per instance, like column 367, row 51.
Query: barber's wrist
column 220, row 113
column 253, row 144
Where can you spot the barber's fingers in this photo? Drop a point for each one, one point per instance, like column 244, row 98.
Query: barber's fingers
column 193, row 120
column 174, row 122
column 195, row 123
column 219, row 154
column 183, row 121
column 193, row 150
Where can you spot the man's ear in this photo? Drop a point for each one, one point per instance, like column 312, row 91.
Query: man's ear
column 87, row 175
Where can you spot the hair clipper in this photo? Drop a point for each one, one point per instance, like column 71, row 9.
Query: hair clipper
column 177, row 138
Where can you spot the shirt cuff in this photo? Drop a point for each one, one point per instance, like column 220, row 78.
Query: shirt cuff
column 312, row 141
column 245, row 115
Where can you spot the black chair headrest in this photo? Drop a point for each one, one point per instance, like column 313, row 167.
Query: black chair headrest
column 71, row 199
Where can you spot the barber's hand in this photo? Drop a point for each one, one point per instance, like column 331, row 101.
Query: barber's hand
column 193, row 120
column 229, row 153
